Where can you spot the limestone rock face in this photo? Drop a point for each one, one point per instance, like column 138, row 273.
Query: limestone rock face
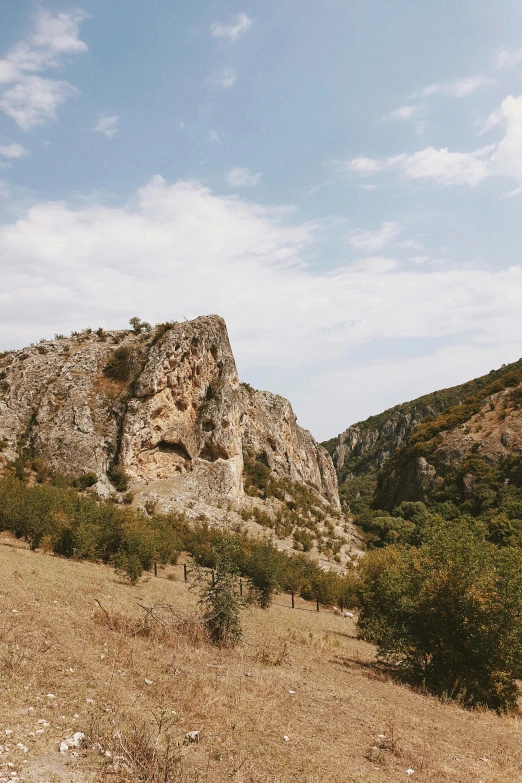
column 176, row 419
column 269, row 429
column 371, row 443
column 184, row 422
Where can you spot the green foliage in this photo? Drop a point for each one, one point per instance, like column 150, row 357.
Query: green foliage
column 263, row 567
column 162, row 329
column 139, row 326
column 448, row 613
column 424, row 441
column 220, row 599
column 137, row 548
column 301, row 511
column 118, row 478
column 85, row 481
column 357, row 493
column 71, row 524
column 119, row 366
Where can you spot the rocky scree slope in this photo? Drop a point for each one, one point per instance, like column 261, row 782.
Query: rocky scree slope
column 165, row 407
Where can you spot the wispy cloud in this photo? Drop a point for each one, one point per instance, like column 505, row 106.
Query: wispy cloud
column 108, row 126
column 458, row 88
column 506, row 59
column 31, row 99
column 373, row 241
column 402, row 113
column 225, row 78
column 407, row 113
column 513, row 193
column 503, row 159
column 240, row 177
column 12, row 150
column 234, row 30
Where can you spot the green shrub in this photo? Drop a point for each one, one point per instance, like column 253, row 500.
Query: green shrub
column 119, row 366
column 139, row 326
column 85, row 481
column 162, row 329
column 220, row 600
column 449, row 613
column 136, row 549
column 118, row 478
column 263, row 566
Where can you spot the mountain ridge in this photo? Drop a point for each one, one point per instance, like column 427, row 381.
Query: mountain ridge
column 445, row 447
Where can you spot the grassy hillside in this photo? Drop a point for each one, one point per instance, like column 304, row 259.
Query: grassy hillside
column 301, row 700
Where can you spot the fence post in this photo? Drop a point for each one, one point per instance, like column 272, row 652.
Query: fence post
column 185, row 572
column 155, row 569
column 317, row 602
column 213, row 578
column 240, row 587
column 293, row 602
column 341, row 604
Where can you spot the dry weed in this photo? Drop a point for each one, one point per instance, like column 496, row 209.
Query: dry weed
column 160, row 623
column 273, row 654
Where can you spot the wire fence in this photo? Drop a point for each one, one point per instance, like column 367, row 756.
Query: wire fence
column 243, row 588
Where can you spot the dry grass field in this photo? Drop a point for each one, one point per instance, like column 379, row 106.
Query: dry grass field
column 300, row 701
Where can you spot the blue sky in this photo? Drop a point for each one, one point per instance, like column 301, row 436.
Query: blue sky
column 342, row 181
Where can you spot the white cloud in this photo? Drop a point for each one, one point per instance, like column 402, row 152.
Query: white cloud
column 28, row 98
column 33, row 100
column 513, row 193
column 402, row 113
column 458, row 88
column 107, row 125
column 366, row 165
column 234, row 30
column 506, row 59
column 12, row 150
column 225, row 78
column 408, row 113
column 503, row 159
column 179, row 250
column 240, row 177
column 213, row 135
column 373, row 241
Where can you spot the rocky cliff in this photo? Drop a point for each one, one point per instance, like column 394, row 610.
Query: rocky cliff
column 165, row 406
column 369, row 444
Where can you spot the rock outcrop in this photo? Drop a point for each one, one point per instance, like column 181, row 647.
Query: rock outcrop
column 372, row 442
column 166, row 406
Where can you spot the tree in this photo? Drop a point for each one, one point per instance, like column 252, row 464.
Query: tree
column 263, row 567
column 449, row 613
column 220, row 600
column 139, row 326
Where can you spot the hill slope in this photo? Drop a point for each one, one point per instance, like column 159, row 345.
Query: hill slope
column 454, row 445
column 68, row 665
